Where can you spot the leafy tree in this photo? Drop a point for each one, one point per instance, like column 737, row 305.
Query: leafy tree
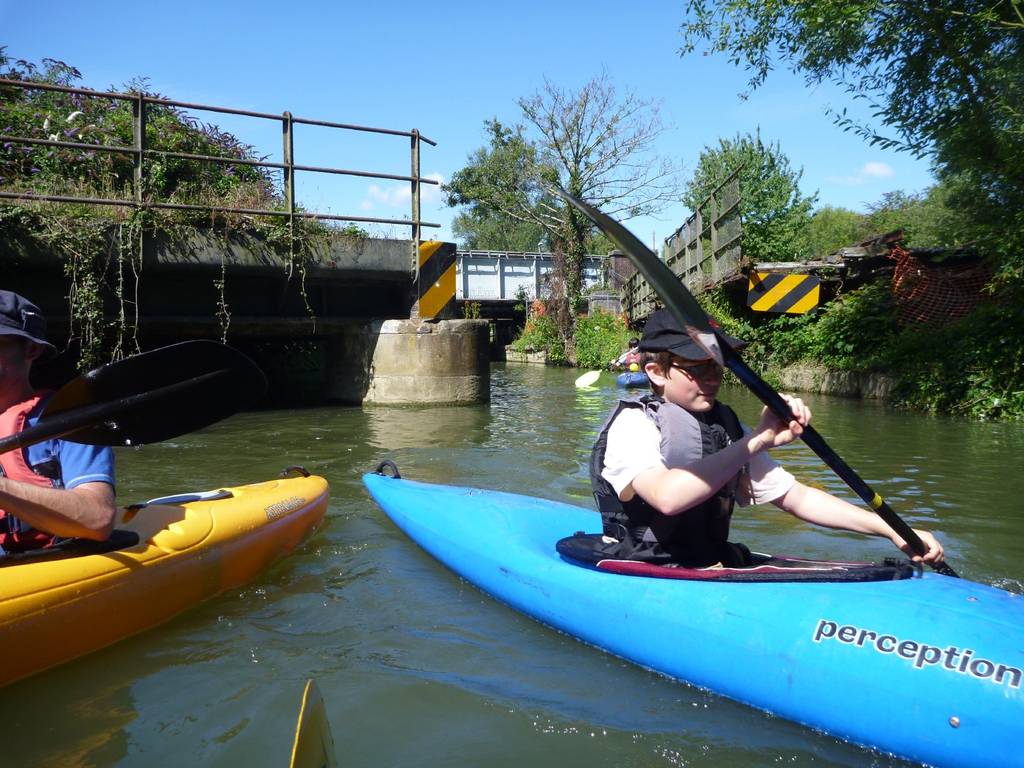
column 501, row 190
column 926, row 219
column 594, row 144
column 775, row 213
column 483, row 230
column 831, row 228
column 506, row 164
column 945, row 79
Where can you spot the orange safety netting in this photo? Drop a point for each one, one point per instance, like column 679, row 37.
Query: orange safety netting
column 929, row 293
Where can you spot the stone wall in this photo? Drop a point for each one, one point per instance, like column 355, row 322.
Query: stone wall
column 806, row 377
column 513, row 356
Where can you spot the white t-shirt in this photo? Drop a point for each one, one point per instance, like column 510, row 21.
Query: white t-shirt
column 634, row 446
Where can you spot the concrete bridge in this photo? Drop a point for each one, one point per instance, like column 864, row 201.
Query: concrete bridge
column 322, row 327
column 340, row 323
column 339, row 326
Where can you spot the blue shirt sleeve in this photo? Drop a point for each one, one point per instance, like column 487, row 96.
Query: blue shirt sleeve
column 79, row 463
column 85, row 464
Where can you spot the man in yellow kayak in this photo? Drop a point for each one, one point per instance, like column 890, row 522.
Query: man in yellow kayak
column 54, row 489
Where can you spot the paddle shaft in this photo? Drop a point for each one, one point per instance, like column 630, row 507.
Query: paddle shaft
column 62, row 424
column 767, row 395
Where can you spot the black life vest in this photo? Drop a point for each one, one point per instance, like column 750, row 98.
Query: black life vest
column 696, row 537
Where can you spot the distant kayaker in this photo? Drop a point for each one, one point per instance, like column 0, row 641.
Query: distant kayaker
column 668, row 468
column 631, row 358
column 54, row 489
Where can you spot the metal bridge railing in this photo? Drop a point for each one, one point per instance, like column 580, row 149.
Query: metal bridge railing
column 140, row 152
column 513, row 276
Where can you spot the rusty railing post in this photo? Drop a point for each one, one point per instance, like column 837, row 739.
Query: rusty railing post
column 288, row 182
column 414, row 188
column 139, row 158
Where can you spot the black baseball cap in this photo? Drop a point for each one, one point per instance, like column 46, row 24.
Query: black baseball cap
column 20, row 317
column 664, row 334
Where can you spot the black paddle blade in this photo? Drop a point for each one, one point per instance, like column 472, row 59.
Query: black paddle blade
column 156, row 395
column 678, row 300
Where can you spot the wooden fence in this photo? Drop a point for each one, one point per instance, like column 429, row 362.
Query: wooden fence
column 704, row 251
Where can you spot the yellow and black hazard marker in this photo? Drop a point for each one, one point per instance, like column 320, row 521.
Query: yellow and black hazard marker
column 435, row 283
column 777, row 292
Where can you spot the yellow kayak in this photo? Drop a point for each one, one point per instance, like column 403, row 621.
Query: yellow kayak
column 179, row 551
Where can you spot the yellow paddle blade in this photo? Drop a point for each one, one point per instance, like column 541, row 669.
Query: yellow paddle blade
column 587, row 379
column 314, row 745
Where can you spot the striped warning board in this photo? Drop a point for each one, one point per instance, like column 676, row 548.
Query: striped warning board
column 776, row 292
column 436, row 279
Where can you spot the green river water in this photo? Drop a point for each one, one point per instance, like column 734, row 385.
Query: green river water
column 416, row 667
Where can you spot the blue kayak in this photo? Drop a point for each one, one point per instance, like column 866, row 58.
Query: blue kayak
column 926, row 668
column 631, row 379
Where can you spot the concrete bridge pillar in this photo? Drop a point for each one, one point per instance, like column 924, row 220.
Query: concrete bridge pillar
column 412, row 362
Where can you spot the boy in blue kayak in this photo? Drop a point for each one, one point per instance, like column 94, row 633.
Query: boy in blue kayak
column 52, row 489
column 668, row 468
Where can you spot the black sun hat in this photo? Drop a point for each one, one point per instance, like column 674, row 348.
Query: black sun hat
column 20, row 317
column 664, row 334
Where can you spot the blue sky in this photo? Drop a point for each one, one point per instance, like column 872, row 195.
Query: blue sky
column 442, row 68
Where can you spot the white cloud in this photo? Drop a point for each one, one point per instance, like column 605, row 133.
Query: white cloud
column 868, row 172
column 877, row 170
column 399, row 195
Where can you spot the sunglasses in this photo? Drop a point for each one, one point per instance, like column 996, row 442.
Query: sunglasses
column 700, row 370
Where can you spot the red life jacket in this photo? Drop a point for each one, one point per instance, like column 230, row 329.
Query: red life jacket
column 15, row 467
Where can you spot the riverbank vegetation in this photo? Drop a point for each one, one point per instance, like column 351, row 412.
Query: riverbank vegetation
column 100, row 246
column 971, row 367
column 600, row 338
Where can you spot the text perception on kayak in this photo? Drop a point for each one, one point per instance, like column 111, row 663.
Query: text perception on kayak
column 951, row 658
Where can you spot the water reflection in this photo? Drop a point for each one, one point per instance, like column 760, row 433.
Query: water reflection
column 59, row 731
column 393, row 429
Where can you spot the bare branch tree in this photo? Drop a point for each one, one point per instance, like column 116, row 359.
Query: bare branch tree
column 593, row 143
